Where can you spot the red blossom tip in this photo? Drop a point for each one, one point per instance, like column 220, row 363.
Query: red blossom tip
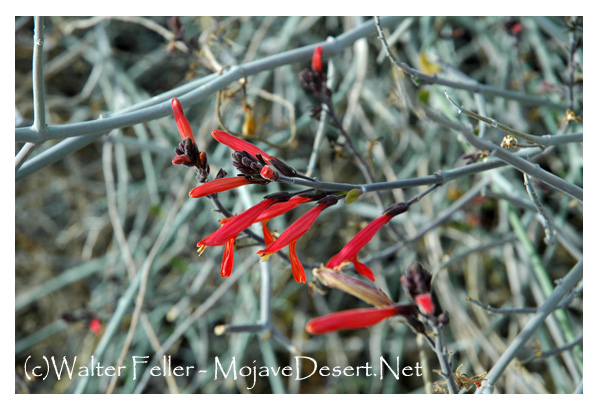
column 267, row 173
column 268, row 237
column 238, row 144
column 425, row 303
column 226, row 267
column 217, row 186
column 95, row 325
column 317, row 60
column 182, row 123
column 297, row 269
column 363, row 269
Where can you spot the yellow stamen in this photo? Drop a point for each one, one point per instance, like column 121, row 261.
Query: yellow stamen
column 342, row 265
column 265, row 257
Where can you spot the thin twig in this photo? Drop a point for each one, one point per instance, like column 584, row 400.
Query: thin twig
column 522, row 310
column 572, row 52
column 538, row 140
column 519, row 163
column 113, row 212
column 168, row 35
column 549, row 306
column 474, row 87
column 441, row 219
column 171, row 382
column 39, row 95
column 444, row 358
column 161, row 107
column 357, row 156
column 292, row 120
column 547, row 222
column 546, row 354
column 324, row 117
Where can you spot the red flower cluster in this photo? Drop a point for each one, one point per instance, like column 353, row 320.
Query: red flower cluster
column 262, row 212
column 258, row 167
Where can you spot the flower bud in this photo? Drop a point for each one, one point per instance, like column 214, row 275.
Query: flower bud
column 182, row 159
column 268, row 173
column 317, row 60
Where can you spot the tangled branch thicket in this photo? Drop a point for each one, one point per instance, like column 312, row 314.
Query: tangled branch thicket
column 476, row 123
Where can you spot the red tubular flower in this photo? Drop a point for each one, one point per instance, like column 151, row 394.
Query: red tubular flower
column 317, row 60
column 218, row 185
column 349, row 253
column 281, row 208
column 234, row 225
column 292, row 234
column 357, row 318
column 230, row 229
column 276, row 210
column 238, row 144
column 182, row 123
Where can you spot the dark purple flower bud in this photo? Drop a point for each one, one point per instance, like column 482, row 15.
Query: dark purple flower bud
column 283, row 168
column 416, row 281
column 443, row 318
column 416, row 324
column 281, row 197
column 69, row 318
column 417, row 284
column 396, row 209
column 221, row 174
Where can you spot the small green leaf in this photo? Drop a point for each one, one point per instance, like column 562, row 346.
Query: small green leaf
column 352, row 195
column 423, row 95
